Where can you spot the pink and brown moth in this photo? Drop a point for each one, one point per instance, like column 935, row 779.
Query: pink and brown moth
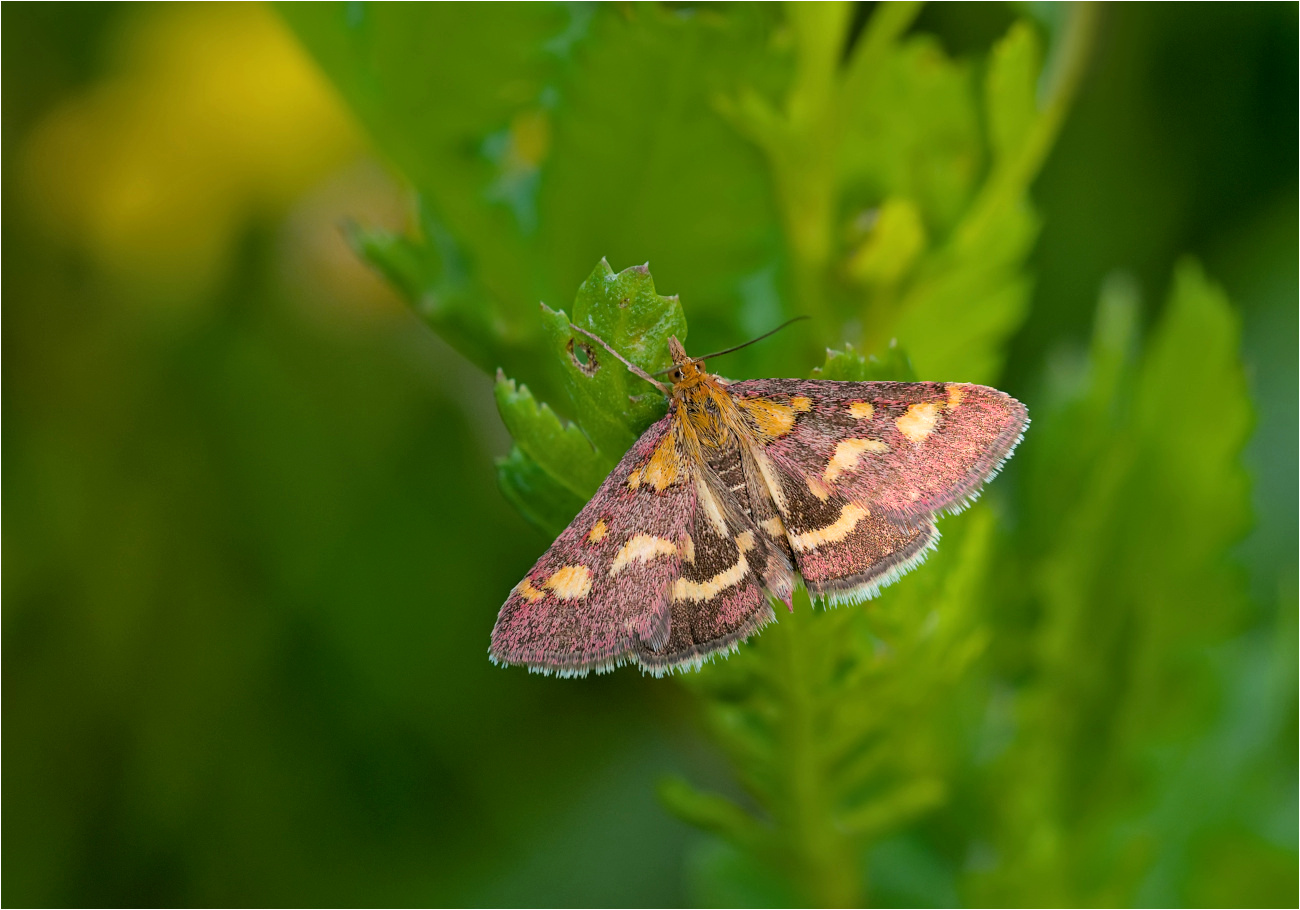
column 742, row 490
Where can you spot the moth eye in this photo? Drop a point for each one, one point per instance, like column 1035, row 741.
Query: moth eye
column 677, row 375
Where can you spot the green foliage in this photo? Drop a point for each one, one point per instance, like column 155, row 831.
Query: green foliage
column 1019, row 698
column 1133, row 498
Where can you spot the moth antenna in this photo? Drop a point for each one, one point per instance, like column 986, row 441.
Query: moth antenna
column 627, row 363
column 739, row 346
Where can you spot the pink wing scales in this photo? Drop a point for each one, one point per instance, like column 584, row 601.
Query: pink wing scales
column 598, row 597
column 906, row 449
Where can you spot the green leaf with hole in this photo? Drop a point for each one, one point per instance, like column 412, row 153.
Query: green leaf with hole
column 612, row 405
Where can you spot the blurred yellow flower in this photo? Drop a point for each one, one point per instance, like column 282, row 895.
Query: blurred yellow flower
column 212, row 118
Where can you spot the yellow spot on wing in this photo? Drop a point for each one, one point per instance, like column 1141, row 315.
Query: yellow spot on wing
column 526, row 590
column 642, row 548
column 688, row 549
column 801, row 403
column 685, row 589
column 850, row 515
column 919, row 421
column 773, row 419
column 634, row 479
column 745, row 541
column 570, row 582
column 861, row 410
column 598, row 531
column 847, row 454
column 773, row 526
column 661, row 470
column 955, row 394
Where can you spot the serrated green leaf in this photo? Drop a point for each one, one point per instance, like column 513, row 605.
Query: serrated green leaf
column 558, row 449
column 611, row 404
column 538, row 496
column 1011, row 88
column 849, row 365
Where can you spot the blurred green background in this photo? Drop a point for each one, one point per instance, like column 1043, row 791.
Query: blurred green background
column 254, row 539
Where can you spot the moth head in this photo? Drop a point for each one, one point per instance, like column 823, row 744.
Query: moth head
column 685, row 371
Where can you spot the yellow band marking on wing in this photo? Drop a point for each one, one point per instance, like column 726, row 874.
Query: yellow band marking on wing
column 801, row 403
column 598, row 532
column 850, row 515
column 526, row 590
column 745, row 541
column 848, row 452
column 685, row 589
column 641, row 548
column 634, row 479
column 862, row 410
column 570, row 582
column 955, row 394
column 773, row 526
column 919, row 421
column 772, row 418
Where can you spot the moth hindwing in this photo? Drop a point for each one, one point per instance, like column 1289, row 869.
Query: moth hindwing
column 742, row 490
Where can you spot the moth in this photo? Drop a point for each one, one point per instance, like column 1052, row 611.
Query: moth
column 739, row 493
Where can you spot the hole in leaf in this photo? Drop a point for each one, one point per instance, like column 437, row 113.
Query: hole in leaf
column 583, row 357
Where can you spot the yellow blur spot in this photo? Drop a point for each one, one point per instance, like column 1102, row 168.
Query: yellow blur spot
column 850, row 515
column 215, row 118
column 847, row 455
column 745, row 541
column 955, row 394
column 684, row 589
column 526, row 590
column 570, row 583
column 919, row 421
column 598, row 531
column 801, row 404
column 641, row 548
column 774, row 527
column 861, row 410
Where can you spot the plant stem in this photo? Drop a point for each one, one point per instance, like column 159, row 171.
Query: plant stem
column 823, row 856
